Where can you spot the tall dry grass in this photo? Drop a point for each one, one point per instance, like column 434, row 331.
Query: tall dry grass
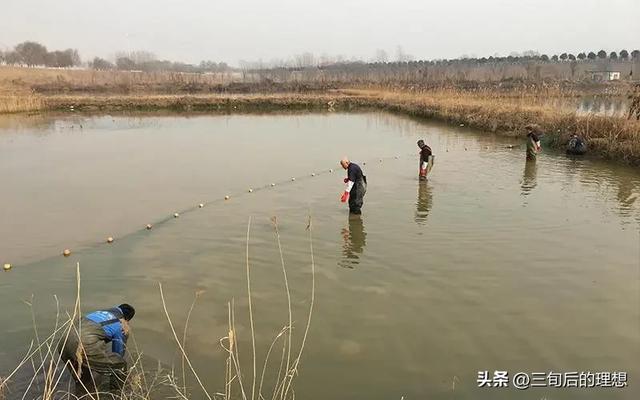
column 51, row 79
column 611, row 137
column 48, row 370
column 495, row 108
column 20, row 103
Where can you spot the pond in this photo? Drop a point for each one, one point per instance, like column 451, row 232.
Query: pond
column 493, row 264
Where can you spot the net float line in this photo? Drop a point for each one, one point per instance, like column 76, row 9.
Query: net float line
column 158, row 223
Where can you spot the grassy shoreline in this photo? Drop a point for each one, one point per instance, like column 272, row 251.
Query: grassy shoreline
column 609, row 137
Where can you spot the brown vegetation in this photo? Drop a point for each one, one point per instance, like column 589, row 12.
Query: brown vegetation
column 610, row 137
column 634, row 106
column 502, row 108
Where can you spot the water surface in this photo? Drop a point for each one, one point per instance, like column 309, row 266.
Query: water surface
column 494, row 264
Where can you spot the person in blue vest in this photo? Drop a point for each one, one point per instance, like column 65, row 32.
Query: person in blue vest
column 95, row 351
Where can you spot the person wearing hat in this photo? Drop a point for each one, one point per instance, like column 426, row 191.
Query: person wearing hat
column 533, row 141
column 576, row 146
column 94, row 351
column 426, row 160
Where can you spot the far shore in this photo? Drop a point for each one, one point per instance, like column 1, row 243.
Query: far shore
column 488, row 108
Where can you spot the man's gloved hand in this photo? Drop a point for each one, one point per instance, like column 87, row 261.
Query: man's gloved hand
column 345, row 180
column 345, row 197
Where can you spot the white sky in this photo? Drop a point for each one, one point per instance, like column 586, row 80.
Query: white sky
column 192, row 30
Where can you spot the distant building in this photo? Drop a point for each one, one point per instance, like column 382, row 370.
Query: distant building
column 602, row 76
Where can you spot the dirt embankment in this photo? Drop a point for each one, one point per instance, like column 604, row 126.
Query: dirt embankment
column 609, row 137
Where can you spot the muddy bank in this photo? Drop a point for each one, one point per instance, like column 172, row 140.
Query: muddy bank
column 237, row 103
column 178, row 86
column 608, row 137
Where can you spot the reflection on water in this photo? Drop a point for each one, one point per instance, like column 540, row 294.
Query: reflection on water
column 355, row 240
column 424, row 203
column 529, row 177
column 612, row 182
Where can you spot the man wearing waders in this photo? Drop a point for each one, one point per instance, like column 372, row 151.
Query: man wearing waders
column 356, row 186
column 95, row 350
column 426, row 160
column 533, row 142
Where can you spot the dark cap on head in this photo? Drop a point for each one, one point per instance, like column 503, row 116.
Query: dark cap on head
column 421, row 143
column 533, row 128
column 127, row 311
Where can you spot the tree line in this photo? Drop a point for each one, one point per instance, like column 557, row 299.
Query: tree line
column 149, row 62
column 308, row 60
column 32, row 53
column 528, row 66
column 35, row 54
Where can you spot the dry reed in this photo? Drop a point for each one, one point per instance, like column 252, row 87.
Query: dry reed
column 17, row 104
column 47, row 363
column 494, row 108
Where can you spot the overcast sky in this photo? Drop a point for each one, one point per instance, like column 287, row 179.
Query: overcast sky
column 232, row 30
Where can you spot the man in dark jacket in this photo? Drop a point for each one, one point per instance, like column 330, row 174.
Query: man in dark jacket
column 426, row 160
column 356, row 186
column 95, row 350
column 533, row 142
column 576, row 145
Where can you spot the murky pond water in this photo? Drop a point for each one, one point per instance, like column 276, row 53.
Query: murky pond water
column 493, row 264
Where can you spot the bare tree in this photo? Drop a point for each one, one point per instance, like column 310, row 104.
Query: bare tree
column 125, row 64
column 400, row 54
column 31, row 53
column 573, row 65
column 101, row 64
column 137, row 56
column 381, row 56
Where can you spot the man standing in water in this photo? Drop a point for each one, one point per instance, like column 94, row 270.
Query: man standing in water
column 356, row 186
column 533, row 142
column 426, row 160
column 95, row 350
